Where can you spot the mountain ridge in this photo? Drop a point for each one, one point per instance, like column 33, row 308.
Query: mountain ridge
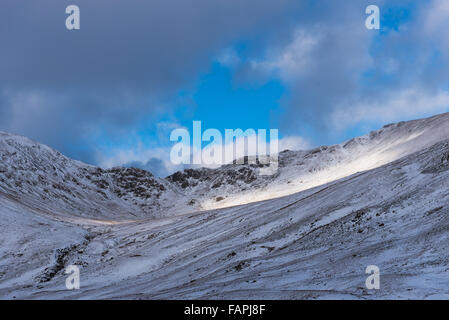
column 40, row 174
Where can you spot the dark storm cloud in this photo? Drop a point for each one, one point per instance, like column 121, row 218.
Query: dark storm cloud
column 127, row 60
column 146, row 45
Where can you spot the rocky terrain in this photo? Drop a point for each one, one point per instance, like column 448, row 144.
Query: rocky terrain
column 43, row 177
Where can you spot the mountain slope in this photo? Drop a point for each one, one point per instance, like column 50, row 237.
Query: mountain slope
column 42, row 177
column 301, row 170
column 315, row 243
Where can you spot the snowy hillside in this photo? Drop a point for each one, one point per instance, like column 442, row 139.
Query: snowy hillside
column 330, row 212
column 43, row 178
column 301, row 170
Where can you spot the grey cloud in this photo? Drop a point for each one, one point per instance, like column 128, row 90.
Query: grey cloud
column 126, row 62
column 146, row 45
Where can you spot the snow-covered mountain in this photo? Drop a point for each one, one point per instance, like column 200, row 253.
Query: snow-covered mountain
column 43, row 178
column 301, row 170
column 307, row 232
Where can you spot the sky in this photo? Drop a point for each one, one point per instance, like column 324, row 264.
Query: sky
column 111, row 92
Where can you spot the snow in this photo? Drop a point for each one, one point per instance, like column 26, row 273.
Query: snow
column 308, row 232
column 307, row 169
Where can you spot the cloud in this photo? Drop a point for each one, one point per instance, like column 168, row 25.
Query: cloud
column 436, row 17
column 294, row 143
column 126, row 63
column 292, row 61
column 396, row 106
column 132, row 45
column 229, row 58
